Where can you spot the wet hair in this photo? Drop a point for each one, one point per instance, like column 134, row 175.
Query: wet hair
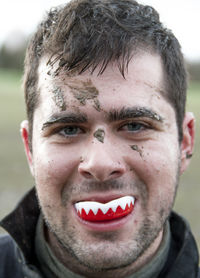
column 84, row 34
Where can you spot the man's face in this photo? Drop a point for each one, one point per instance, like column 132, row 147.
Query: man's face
column 98, row 138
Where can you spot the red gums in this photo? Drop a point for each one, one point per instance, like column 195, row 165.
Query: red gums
column 110, row 215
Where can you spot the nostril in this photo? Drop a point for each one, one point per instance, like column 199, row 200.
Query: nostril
column 115, row 173
column 86, row 174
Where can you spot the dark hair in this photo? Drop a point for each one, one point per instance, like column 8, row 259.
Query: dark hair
column 84, row 34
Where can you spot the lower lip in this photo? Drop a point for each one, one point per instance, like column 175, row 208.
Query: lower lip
column 106, row 226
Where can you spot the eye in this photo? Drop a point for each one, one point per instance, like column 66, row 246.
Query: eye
column 70, row 131
column 134, row 127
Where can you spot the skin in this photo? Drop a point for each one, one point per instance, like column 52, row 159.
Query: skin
column 60, row 138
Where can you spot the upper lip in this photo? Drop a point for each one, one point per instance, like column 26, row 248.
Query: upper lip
column 102, row 198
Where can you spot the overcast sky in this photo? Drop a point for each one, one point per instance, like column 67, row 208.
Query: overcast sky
column 181, row 16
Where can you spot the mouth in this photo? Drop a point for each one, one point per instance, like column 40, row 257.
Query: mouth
column 92, row 211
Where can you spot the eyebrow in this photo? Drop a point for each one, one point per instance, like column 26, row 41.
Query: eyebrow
column 113, row 116
column 65, row 119
column 133, row 112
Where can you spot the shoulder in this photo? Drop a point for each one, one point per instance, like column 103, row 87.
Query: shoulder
column 6, row 246
column 9, row 262
column 5, row 240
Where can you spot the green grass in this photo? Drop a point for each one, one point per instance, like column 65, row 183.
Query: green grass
column 14, row 172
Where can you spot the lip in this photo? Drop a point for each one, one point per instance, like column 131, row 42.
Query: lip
column 102, row 198
column 105, row 226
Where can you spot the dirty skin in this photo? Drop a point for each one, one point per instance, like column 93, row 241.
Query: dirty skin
column 137, row 149
column 83, row 91
column 59, row 98
column 99, row 134
column 156, row 89
column 136, row 112
column 97, row 105
column 150, row 114
column 81, row 159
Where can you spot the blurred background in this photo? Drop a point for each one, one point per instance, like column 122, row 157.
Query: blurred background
column 18, row 19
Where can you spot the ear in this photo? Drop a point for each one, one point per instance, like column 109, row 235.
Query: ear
column 25, row 138
column 187, row 144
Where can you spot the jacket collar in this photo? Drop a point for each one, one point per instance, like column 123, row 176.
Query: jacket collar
column 183, row 257
column 21, row 224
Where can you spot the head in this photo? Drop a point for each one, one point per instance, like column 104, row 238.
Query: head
column 105, row 88
column 85, row 34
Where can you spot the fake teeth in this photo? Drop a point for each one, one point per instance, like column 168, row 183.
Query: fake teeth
column 95, row 211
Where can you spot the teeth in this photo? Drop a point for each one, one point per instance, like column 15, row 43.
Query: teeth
column 95, row 206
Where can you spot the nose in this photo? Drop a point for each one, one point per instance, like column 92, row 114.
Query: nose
column 101, row 163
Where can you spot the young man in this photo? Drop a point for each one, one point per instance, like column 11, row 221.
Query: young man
column 107, row 138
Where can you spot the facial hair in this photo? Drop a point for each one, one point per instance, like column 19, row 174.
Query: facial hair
column 104, row 251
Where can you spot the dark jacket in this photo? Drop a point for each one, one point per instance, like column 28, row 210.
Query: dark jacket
column 18, row 260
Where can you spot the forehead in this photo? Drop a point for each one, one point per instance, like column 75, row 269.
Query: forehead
column 143, row 81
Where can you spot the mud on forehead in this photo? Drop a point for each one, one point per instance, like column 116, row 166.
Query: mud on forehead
column 83, row 90
column 61, row 84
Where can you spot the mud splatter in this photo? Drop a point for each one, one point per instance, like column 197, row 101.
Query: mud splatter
column 135, row 112
column 59, row 98
column 99, row 134
column 81, row 159
column 155, row 88
column 97, row 105
column 83, row 91
column 137, row 149
column 151, row 114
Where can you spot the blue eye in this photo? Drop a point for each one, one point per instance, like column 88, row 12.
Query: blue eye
column 134, row 126
column 69, row 131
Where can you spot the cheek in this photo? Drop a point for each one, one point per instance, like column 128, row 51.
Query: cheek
column 156, row 164
column 157, row 170
column 54, row 167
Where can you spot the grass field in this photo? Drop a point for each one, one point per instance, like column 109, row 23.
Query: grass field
column 14, row 172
